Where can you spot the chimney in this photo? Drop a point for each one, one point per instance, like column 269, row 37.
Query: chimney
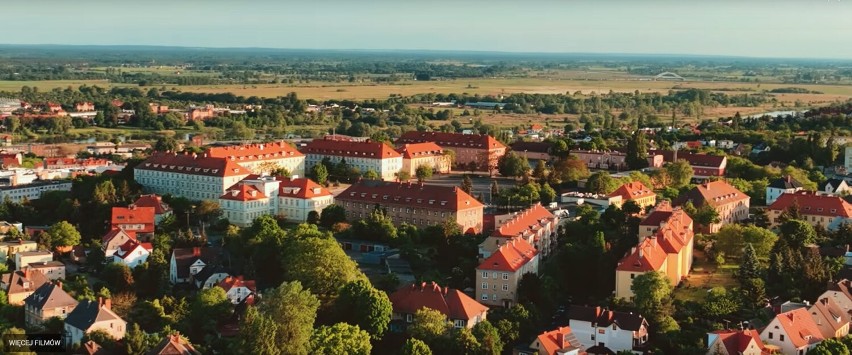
column 59, row 284
column 196, row 251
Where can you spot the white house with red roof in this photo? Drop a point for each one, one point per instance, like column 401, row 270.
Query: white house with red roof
column 376, row 156
column 238, row 290
column 560, row 341
column 608, row 331
column 263, row 157
column 818, row 210
column 115, row 238
column 461, row 310
column 140, row 220
column 161, row 209
column 498, row 276
column 536, row 225
column 735, row 342
column 793, row 332
column 256, row 196
column 132, row 253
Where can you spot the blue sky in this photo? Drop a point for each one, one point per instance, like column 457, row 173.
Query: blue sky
column 759, row 28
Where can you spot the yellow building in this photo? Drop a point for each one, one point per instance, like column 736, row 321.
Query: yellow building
column 424, row 154
column 825, row 211
column 637, row 192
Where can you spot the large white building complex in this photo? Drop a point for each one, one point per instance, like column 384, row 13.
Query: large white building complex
column 364, row 156
column 255, row 196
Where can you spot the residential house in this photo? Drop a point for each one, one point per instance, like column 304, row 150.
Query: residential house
column 238, row 290
column 89, row 316
column 25, row 258
column 173, row 344
column 477, row 151
column 668, row 250
column 784, row 184
column 831, row 319
column 536, row 225
column 600, row 159
column 53, row 270
column 637, row 192
column 426, row 154
column 364, row 156
column 115, row 238
column 560, row 341
column 256, row 196
column 132, row 253
column 84, row 106
column 730, row 204
column 415, row 204
column 604, row 328
column 140, row 220
column 18, row 285
column 793, row 332
column 835, row 186
column 532, row 150
column 9, row 248
column 210, row 276
column 461, row 310
column 186, row 262
column 735, row 342
column 498, row 276
column 46, row 302
column 825, row 211
column 161, row 209
column 703, row 165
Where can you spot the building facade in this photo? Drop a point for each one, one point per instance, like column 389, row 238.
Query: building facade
column 46, row 302
column 427, row 154
column 293, row 198
column 615, row 331
column 461, row 310
column 731, row 204
column 824, row 211
column 89, row 316
column 536, row 225
column 32, row 191
column 364, row 156
column 498, row 276
column 478, row 151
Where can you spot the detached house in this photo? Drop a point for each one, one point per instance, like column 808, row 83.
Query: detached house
column 174, row 344
column 536, row 225
column 731, row 204
column 779, row 186
column 637, row 192
column 19, row 285
column 140, row 220
column 794, row 332
column 603, row 328
column 132, row 253
column 46, row 302
column 740, row 342
column 239, row 290
column 187, row 262
column 835, row 186
column 89, row 316
column 115, row 238
column 461, row 310
column 498, row 276
column 560, row 341
column 831, row 319
column 210, row 276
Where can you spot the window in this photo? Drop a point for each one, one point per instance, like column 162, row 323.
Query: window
column 485, row 274
column 593, row 337
column 485, row 297
column 632, row 276
column 505, row 276
column 770, row 335
column 409, row 318
column 458, row 323
column 484, row 285
column 505, row 287
column 493, row 297
column 781, row 337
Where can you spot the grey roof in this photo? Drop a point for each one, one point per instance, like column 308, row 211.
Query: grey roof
column 604, row 317
column 87, row 313
column 834, row 184
column 785, row 182
column 210, row 270
column 49, row 295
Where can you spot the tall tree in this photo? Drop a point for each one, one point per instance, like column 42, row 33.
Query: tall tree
column 319, row 174
column 467, row 184
column 423, row 172
column 653, row 298
column 680, row 173
column 320, row 264
column 513, row 165
column 637, row 151
column 61, row 234
column 362, row 305
column 488, row 337
column 341, row 338
column 332, row 214
column 414, row 346
column 293, row 311
column 601, row 183
column 430, row 326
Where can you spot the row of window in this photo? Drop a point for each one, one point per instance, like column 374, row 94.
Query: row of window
column 494, row 275
column 485, row 286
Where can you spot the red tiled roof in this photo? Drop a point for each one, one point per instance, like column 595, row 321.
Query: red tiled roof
column 524, row 221
column 231, row 282
column 129, row 246
column 632, row 190
column 674, row 234
column 451, row 140
column 510, row 256
column 152, row 200
column 134, row 215
column 555, row 340
column 430, row 196
column 260, row 151
column 834, row 318
column 800, row 327
column 451, row 302
column 702, row 160
column 243, row 192
column 370, row 150
column 303, row 188
column 812, row 204
column 532, row 147
column 648, row 256
column 53, row 162
column 115, row 231
column 714, row 193
column 737, row 342
column 192, row 164
column 417, row 150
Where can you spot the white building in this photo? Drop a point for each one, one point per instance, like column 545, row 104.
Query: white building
column 132, row 253
column 293, row 198
column 617, row 331
column 364, row 156
column 187, row 262
column 25, row 258
column 237, row 289
column 793, row 332
column 32, row 191
column 89, row 316
column 779, row 186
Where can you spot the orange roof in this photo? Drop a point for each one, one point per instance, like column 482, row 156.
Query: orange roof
column 529, row 220
column 812, row 204
column 260, row 151
column 510, row 256
column 418, row 150
column 243, row 192
column 648, row 256
column 192, row 164
column 129, row 246
column 632, row 190
column 76, row 162
column 369, row 150
column 674, row 234
column 115, row 232
column 451, row 140
column 833, row 316
column 451, row 302
column 152, row 200
column 231, row 282
column 737, row 342
column 557, row 339
column 429, row 196
column 714, row 193
column 800, row 327
column 303, row 188
column 134, row 215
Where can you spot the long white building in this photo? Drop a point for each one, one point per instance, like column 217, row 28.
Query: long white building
column 32, row 191
column 376, row 156
column 255, row 196
column 207, row 176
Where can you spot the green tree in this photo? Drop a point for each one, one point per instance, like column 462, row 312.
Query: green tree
column 320, row 264
column 540, row 172
column 798, row 233
column 135, row 341
column 488, row 337
column 209, row 307
column 750, row 265
column 118, row 276
column 332, row 214
column 637, row 151
column 258, row 334
column 463, row 342
column 732, row 239
column 291, row 311
column 569, row 169
column 513, row 165
column 680, row 173
column 377, row 226
column 415, row 346
column 61, row 234
column 341, row 339
column 319, row 174
column 720, row 303
column 652, row 295
column 547, row 193
column 423, row 172
column 362, row 305
column 829, row 347
column 403, row 175
column 371, row 175
column 240, row 131
column 704, row 215
column 601, row 183
column 467, row 184
column 105, row 193
column 429, row 325
column 166, row 144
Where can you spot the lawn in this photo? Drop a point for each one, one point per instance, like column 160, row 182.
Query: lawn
column 705, row 275
column 47, row 85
